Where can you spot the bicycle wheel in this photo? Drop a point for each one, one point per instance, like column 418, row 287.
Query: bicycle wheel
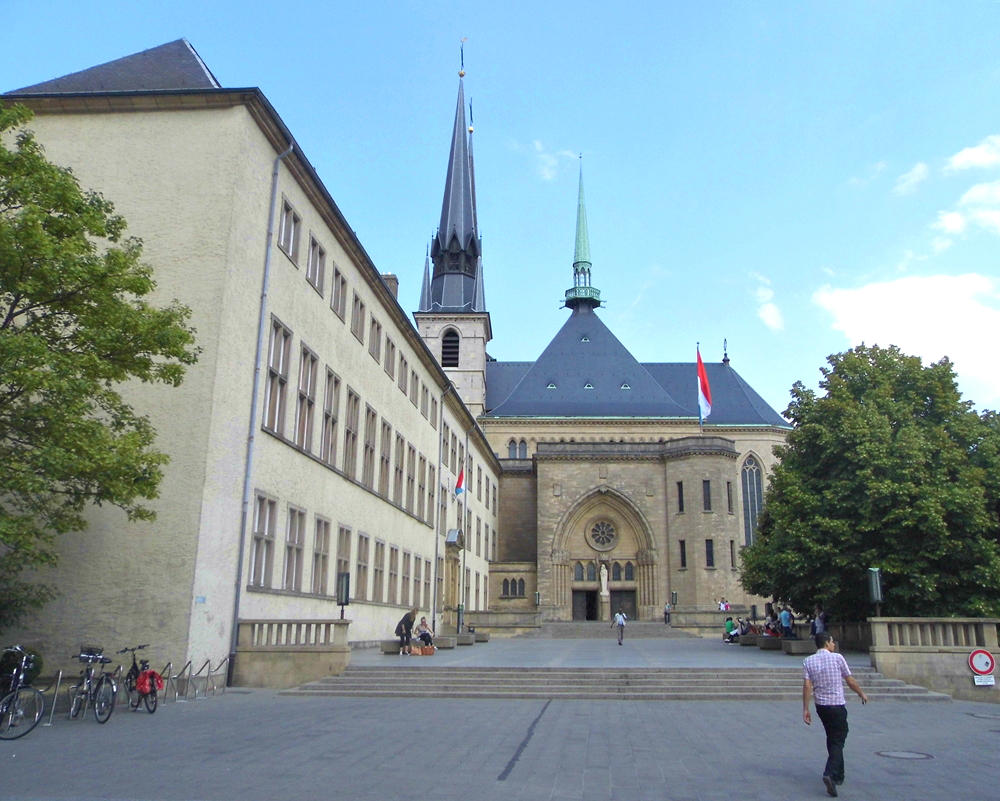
column 20, row 712
column 149, row 699
column 76, row 703
column 132, row 692
column 104, row 699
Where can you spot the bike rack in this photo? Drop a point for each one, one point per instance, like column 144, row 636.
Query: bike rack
column 187, row 685
column 167, row 675
column 214, row 673
column 55, row 696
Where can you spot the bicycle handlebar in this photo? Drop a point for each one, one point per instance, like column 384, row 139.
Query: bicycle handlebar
column 133, row 650
column 92, row 658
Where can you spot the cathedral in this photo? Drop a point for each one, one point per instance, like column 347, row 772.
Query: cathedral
column 614, row 493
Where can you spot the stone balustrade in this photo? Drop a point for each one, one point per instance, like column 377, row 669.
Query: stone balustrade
column 287, row 653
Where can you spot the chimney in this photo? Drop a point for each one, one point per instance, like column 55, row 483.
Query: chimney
column 392, row 283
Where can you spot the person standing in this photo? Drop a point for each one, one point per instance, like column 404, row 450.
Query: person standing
column 619, row 621
column 666, row 613
column 823, row 677
column 786, row 622
column 404, row 630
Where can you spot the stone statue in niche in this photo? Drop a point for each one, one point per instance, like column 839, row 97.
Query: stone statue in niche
column 604, row 579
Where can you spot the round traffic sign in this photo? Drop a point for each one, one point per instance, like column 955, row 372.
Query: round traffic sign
column 982, row 662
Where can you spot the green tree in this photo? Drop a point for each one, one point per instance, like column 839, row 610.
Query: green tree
column 74, row 325
column 890, row 469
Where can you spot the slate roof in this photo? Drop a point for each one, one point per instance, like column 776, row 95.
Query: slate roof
column 170, row 66
column 584, row 351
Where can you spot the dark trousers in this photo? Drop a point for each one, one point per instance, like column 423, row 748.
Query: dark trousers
column 835, row 725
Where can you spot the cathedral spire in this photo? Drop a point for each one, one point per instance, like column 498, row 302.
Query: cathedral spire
column 582, row 292
column 456, row 248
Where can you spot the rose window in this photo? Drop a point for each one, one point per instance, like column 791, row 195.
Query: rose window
column 603, row 535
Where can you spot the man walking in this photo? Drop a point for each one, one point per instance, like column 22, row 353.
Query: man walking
column 823, row 676
column 620, row 622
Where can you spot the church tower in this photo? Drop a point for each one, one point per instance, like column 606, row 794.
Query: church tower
column 452, row 317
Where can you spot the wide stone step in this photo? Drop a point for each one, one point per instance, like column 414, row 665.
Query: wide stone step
column 655, row 684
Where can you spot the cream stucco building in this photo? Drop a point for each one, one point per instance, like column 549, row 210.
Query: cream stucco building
column 317, row 435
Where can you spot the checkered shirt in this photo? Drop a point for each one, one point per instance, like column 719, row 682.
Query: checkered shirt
column 826, row 670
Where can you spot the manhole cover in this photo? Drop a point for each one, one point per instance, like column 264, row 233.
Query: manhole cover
column 903, row 755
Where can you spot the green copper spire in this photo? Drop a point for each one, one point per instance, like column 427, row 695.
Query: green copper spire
column 582, row 292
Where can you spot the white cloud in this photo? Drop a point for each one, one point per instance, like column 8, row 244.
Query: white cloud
column 951, row 222
column 988, row 219
column 985, row 154
column 982, row 195
column 940, row 244
column 767, row 309
column 907, row 183
column 930, row 317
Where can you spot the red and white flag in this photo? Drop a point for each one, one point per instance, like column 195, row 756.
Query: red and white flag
column 704, row 391
column 460, row 484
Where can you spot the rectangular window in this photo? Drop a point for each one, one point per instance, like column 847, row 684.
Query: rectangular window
column 294, row 541
column 427, row 583
column 417, row 564
column 331, row 408
column 288, row 231
column 343, row 550
column 729, row 497
column 732, row 554
column 454, row 455
column 684, row 553
column 375, row 340
column 278, row 352
column 680, row 497
column 308, row 368
column 378, row 572
column 358, row 319
column 468, row 588
column 479, row 485
column 494, row 499
column 477, row 590
column 425, row 397
column 706, row 495
column 434, row 413
column 411, row 470
column 338, row 294
column 351, row 425
column 709, row 553
column 421, row 486
column 393, row 573
column 265, row 520
column 404, row 587
column 368, row 457
column 479, row 536
column 390, row 358
column 316, row 265
column 321, row 557
column 385, row 458
column 404, row 374
column 414, row 387
column 361, row 589
column 430, row 494
column 397, row 478
column 493, row 548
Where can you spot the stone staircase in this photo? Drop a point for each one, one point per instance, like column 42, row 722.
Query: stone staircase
column 414, row 680
column 597, row 629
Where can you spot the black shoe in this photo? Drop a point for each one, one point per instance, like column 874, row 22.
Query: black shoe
column 831, row 788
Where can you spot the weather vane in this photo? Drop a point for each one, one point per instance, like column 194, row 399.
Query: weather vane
column 461, row 51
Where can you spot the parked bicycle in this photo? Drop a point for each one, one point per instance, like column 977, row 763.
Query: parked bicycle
column 22, row 706
column 97, row 688
column 141, row 683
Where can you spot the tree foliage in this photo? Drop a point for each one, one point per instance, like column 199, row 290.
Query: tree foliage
column 74, row 325
column 889, row 469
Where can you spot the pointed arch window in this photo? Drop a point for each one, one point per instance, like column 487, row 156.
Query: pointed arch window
column 616, row 572
column 578, row 571
column 591, row 572
column 752, row 479
column 506, row 587
column 512, row 449
column 520, row 588
column 522, row 450
column 629, row 571
column 449, row 348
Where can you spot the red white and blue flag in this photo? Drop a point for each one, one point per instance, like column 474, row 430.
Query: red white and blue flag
column 460, row 484
column 704, row 391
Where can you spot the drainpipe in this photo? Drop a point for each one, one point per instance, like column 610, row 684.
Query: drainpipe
column 437, row 511
column 251, row 427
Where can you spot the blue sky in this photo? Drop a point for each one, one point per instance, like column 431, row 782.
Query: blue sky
column 795, row 178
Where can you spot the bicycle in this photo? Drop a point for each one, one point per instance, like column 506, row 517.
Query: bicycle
column 101, row 690
column 22, row 706
column 141, row 683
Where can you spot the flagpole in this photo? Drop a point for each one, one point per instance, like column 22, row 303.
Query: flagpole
column 461, row 525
